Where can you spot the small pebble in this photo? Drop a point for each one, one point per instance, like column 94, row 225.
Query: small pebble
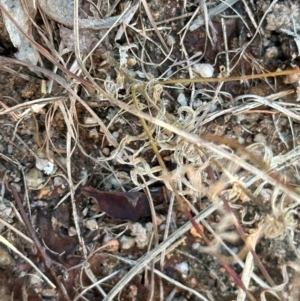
column 116, row 134
column 181, row 99
column 57, row 181
column 183, row 268
column 93, row 133
column 197, row 103
column 10, row 149
column 170, row 40
column 162, row 227
column 213, row 108
column 38, row 204
column 265, row 194
column 34, row 178
column 112, row 245
column 196, row 246
column 259, row 138
column 105, row 151
column 126, row 242
column 72, row 231
column 204, row 70
column 235, row 250
column 88, row 120
column 91, row 224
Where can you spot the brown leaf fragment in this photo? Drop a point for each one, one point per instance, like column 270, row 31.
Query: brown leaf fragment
column 52, row 235
column 125, row 206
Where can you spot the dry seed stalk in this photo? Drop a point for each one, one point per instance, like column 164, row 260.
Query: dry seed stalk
column 228, row 79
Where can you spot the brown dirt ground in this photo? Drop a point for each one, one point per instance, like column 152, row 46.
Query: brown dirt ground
column 111, row 244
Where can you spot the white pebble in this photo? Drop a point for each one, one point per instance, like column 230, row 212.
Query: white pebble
column 91, row 224
column 39, row 204
column 72, row 231
column 93, row 133
column 196, row 246
column 265, row 194
column 116, row 134
column 88, row 120
column 181, row 99
column 170, row 40
column 140, row 74
column 9, row 149
column 162, row 227
column 235, row 250
column 183, row 268
column 111, row 113
column 49, row 168
column 204, row 70
column 197, row 103
column 105, row 151
column 213, row 108
column 107, row 238
column 259, row 137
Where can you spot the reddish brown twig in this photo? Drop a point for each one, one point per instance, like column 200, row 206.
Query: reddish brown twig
column 229, row 270
column 242, row 234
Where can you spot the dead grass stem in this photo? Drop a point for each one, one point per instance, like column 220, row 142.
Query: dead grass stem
column 198, row 158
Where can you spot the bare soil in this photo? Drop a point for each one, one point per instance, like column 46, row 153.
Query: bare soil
column 88, row 240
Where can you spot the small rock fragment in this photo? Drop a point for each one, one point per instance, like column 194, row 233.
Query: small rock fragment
column 170, row 40
column 271, row 53
column 181, row 99
column 204, row 70
column 183, row 268
column 91, row 224
column 112, row 245
column 126, row 242
column 259, row 137
column 142, row 235
column 106, row 151
column 34, row 178
column 72, row 231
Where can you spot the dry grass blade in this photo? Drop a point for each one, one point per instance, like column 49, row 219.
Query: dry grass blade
column 167, row 278
column 229, row 79
column 213, row 12
column 145, row 4
column 130, row 114
column 155, row 252
column 16, row 231
column 64, row 84
column 15, row 250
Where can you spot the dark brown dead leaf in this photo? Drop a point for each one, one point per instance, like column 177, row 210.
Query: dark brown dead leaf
column 125, row 206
